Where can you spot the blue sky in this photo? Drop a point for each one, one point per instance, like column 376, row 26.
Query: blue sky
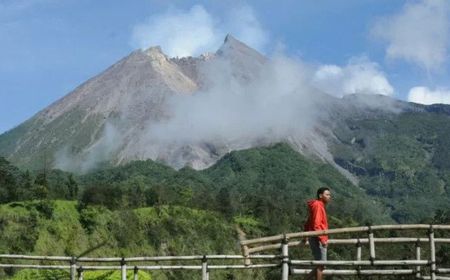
column 49, row 47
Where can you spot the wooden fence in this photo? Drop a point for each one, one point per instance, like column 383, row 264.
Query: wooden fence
column 371, row 266
column 77, row 266
column 252, row 257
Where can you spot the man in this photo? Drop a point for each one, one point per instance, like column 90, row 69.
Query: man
column 317, row 220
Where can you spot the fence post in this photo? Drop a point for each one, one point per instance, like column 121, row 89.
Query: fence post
column 247, row 261
column 371, row 245
column 80, row 273
column 285, row 260
column 135, row 275
column 418, row 253
column 123, row 269
column 358, row 250
column 73, row 268
column 205, row 273
column 432, row 253
column 358, row 255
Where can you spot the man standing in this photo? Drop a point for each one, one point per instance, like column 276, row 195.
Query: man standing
column 317, row 220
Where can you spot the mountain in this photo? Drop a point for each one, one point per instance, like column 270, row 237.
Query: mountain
column 376, row 142
column 111, row 118
column 105, row 118
column 401, row 158
column 131, row 91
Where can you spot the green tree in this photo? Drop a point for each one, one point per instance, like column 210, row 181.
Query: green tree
column 40, row 188
column 72, row 187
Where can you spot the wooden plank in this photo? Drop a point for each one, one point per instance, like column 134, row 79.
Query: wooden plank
column 432, row 254
column 357, row 272
column 253, row 266
column 204, row 269
column 418, row 257
column 35, row 266
column 40, row 258
column 285, row 260
column 170, row 267
column 358, row 251
column 362, row 263
column 371, row 246
column 340, row 230
column 123, row 269
column 386, row 240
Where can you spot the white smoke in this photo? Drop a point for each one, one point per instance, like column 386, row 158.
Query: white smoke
column 427, row 96
column 278, row 103
column 243, row 22
column 101, row 151
column 359, row 76
column 418, row 34
column 195, row 31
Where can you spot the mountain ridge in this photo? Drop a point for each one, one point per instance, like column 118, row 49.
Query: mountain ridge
column 107, row 118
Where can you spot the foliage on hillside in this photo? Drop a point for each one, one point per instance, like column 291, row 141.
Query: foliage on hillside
column 64, row 275
column 403, row 160
column 97, row 231
column 271, row 184
column 146, row 208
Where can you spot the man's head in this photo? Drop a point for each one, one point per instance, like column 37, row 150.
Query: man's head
column 324, row 194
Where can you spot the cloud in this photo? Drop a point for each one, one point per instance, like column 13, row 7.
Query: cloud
column 196, row 31
column 359, row 76
column 418, row 34
column 101, row 151
column 427, row 96
column 243, row 23
column 233, row 110
column 273, row 106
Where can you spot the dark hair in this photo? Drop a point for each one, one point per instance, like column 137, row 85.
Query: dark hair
column 321, row 191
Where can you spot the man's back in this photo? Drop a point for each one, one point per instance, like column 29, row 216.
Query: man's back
column 317, row 220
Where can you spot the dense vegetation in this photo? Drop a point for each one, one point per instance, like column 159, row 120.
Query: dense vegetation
column 270, row 184
column 402, row 159
column 146, row 208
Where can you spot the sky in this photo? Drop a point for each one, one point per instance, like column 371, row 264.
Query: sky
column 396, row 48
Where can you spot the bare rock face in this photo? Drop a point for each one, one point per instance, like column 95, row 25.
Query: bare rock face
column 118, row 101
column 107, row 118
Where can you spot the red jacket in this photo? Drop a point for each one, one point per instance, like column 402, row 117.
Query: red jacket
column 317, row 219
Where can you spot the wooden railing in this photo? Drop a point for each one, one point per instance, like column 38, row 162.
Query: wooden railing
column 253, row 257
column 370, row 266
column 77, row 266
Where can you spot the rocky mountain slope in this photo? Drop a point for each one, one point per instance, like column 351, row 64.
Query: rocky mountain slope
column 105, row 118
column 118, row 116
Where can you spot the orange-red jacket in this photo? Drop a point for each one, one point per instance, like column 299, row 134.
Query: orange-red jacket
column 317, row 219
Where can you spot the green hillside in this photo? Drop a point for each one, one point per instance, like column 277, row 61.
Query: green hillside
column 402, row 159
column 270, row 183
column 146, row 208
column 97, row 231
column 64, row 275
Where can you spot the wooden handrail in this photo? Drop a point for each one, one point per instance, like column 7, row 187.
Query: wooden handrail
column 341, row 231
